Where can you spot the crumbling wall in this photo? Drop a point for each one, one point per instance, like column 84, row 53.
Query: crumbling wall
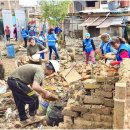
column 122, row 98
column 91, row 103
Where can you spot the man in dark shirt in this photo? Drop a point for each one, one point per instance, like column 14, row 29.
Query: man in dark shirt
column 33, row 49
column 30, row 75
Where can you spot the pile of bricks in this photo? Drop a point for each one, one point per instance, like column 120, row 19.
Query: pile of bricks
column 90, row 103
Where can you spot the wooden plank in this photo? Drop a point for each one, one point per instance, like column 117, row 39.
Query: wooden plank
column 72, row 76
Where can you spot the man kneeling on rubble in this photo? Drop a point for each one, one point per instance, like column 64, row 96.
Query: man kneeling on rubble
column 30, row 75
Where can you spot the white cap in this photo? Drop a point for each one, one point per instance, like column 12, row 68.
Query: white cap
column 55, row 64
column 22, row 27
column 36, row 56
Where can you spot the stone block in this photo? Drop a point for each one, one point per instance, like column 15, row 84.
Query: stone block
column 93, row 100
column 120, row 91
column 108, row 88
column 106, row 118
column 101, row 79
column 91, row 84
column 104, row 125
column 119, row 114
column 67, row 112
column 68, row 119
column 100, row 109
column 109, row 102
column 103, row 94
column 81, row 123
column 91, row 117
column 63, row 125
column 80, row 108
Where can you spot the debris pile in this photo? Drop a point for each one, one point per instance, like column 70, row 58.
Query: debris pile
column 91, row 103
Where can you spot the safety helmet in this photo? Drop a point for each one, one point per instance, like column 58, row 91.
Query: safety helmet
column 55, row 65
column 87, row 34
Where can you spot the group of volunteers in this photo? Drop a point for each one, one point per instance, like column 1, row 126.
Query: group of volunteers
column 7, row 32
column 37, row 45
column 26, row 81
column 112, row 49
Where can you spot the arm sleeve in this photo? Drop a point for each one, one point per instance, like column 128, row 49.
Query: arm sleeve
column 113, row 51
column 28, row 52
column 55, row 37
column 83, row 46
column 92, row 42
column 41, row 47
column 38, row 77
column 123, row 54
column 40, row 38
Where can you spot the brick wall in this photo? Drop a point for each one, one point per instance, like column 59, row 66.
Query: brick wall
column 91, row 101
column 122, row 98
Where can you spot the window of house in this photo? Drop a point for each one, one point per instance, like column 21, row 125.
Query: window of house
column 90, row 3
column 77, row 6
column 2, row 3
column 104, row 2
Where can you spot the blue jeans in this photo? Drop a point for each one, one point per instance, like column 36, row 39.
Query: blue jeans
column 53, row 48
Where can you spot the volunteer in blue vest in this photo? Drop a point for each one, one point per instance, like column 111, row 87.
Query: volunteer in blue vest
column 51, row 39
column 42, row 38
column 24, row 34
column 105, row 47
column 89, row 48
column 32, row 32
column 123, row 50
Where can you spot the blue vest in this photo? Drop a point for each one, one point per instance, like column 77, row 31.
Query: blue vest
column 24, row 33
column 88, row 45
column 51, row 40
column 108, row 47
column 122, row 47
column 32, row 33
column 39, row 41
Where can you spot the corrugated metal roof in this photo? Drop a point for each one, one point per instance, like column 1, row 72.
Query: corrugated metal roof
column 98, row 21
column 120, row 10
column 111, row 21
column 89, row 21
column 117, row 21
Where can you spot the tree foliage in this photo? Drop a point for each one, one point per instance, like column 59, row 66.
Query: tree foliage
column 54, row 11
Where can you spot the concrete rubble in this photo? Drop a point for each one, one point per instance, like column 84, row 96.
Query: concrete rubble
column 86, row 91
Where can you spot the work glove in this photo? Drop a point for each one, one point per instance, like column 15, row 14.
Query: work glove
column 113, row 63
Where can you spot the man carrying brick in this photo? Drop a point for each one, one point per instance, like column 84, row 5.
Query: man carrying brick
column 19, row 82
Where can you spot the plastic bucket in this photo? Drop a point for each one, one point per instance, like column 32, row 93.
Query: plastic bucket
column 10, row 51
column 113, row 5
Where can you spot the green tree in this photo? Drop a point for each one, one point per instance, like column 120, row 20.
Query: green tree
column 54, row 11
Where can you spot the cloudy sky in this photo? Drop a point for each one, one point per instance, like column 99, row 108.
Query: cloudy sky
column 28, row 2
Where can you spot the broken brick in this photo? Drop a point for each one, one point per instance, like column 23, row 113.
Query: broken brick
column 67, row 112
column 93, row 100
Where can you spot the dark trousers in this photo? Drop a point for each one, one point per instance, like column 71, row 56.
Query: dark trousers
column 8, row 37
column 16, row 37
column 23, row 95
column 25, row 42
column 53, row 48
